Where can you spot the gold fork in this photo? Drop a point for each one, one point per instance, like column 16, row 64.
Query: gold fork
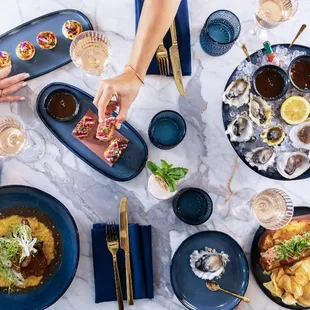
column 113, row 246
column 162, row 59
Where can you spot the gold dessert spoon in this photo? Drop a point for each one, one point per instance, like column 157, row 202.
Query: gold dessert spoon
column 245, row 50
column 302, row 28
column 214, row 286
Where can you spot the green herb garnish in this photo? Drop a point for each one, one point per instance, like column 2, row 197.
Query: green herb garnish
column 292, row 248
column 106, row 129
column 169, row 174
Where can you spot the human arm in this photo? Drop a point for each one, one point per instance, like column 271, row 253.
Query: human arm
column 155, row 20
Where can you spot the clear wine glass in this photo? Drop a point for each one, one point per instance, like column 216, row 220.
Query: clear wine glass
column 90, row 51
column 268, row 14
column 272, row 207
column 14, row 141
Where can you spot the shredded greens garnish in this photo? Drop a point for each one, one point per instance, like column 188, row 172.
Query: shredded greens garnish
column 17, row 244
column 293, row 247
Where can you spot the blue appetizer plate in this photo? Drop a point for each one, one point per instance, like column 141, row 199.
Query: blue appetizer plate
column 167, row 129
column 228, row 114
column 191, row 290
column 44, row 61
column 258, row 271
column 23, row 201
column 126, row 168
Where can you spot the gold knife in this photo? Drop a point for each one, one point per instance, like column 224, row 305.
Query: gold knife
column 124, row 244
column 175, row 60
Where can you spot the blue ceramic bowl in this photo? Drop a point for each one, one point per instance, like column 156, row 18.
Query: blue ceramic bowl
column 297, row 59
column 193, row 206
column 167, row 129
column 54, row 286
column 274, row 68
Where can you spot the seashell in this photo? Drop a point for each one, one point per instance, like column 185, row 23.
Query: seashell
column 292, row 165
column 273, row 135
column 259, row 111
column 261, row 157
column 208, row 264
column 237, row 93
column 300, row 136
column 240, row 129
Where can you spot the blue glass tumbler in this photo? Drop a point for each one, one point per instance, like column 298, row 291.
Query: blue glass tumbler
column 220, row 32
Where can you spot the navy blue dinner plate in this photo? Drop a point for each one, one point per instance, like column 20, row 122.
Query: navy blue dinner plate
column 191, row 290
column 258, row 271
column 19, row 197
column 126, row 168
column 44, row 61
column 226, row 116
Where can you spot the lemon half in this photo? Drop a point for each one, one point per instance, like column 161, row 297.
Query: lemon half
column 295, row 110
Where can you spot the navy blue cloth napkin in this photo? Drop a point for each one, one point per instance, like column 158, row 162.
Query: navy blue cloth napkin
column 183, row 34
column 141, row 264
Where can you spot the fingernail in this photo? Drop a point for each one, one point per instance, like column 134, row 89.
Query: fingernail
column 100, row 120
column 21, row 98
column 24, row 84
column 118, row 126
column 26, row 75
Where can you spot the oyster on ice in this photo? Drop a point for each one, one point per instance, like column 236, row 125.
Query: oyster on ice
column 273, row 135
column 300, row 135
column 240, row 129
column 208, row 264
column 261, row 157
column 237, row 93
column 259, row 111
column 292, row 165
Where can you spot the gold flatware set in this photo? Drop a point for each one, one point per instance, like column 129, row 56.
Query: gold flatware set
column 119, row 238
column 163, row 60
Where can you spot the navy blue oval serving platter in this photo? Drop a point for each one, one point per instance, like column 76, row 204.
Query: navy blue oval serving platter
column 274, row 174
column 52, row 288
column 44, row 61
column 258, row 271
column 191, row 290
column 127, row 167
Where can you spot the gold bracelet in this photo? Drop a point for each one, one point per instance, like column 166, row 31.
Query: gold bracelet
column 136, row 73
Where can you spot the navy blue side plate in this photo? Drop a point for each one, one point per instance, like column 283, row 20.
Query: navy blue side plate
column 55, row 286
column 44, row 61
column 258, row 271
column 273, row 174
column 191, row 290
column 127, row 167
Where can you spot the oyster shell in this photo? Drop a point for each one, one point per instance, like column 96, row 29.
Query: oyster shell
column 273, row 135
column 259, row 111
column 292, row 165
column 208, row 264
column 240, row 129
column 237, row 93
column 300, row 135
column 261, row 157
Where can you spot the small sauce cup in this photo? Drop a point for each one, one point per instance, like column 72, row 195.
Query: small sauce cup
column 270, row 82
column 299, row 73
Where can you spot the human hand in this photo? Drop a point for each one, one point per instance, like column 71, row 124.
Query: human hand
column 10, row 85
column 124, row 87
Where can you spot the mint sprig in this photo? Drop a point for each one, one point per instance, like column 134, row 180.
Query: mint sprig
column 169, row 174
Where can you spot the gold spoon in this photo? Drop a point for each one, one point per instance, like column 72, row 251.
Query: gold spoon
column 302, row 28
column 214, row 286
column 245, row 50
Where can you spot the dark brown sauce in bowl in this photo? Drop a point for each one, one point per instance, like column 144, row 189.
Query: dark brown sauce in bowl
column 270, row 82
column 300, row 73
column 62, row 105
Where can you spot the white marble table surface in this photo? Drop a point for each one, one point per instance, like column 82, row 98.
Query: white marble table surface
column 206, row 151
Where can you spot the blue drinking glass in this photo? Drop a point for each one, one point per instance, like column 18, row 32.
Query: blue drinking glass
column 220, row 32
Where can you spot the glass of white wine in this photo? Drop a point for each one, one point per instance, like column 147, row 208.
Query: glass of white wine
column 12, row 137
column 268, row 14
column 90, row 51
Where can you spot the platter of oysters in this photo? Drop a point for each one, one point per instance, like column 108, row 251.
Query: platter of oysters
column 266, row 113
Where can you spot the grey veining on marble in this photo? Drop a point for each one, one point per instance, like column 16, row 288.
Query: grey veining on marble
column 205, row 150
